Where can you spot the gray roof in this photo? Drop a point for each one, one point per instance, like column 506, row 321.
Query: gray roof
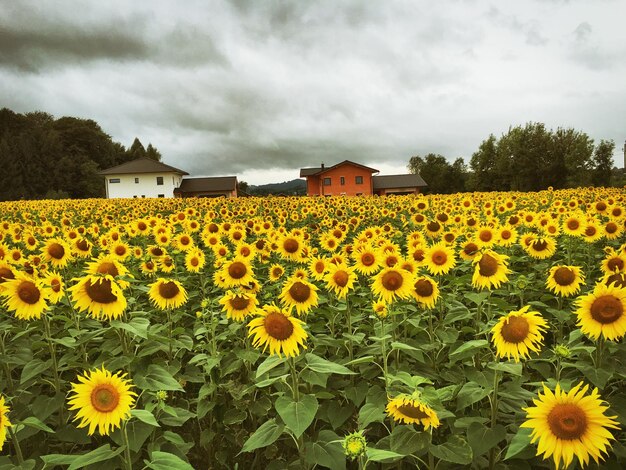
column 398, row 181
column 142, row 165
column 315, row 171
column 207, row 184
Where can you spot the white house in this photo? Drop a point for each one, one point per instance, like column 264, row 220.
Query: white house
column 143, row 177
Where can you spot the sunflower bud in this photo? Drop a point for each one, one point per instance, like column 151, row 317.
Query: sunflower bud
column 161, row 395
column 561, row 351
column 354, row 445
column 522, row 283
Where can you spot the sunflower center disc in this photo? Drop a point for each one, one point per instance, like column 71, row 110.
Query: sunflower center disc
column 55, row 284
column 515, row 330
column 100, row 291
column 237, row 270
column 392, row 280
column 615, row 264
column 606, row 309
column 418, row 255
column 601, row 206
column 619, row 279
column 439, row 258
column 56, row 251
column 391, row 261
column 567, row 421
column 424, row 288
column 194, row 262
column 433, row 226
column 564, row 276
column 28, row 292
column 168, row 290
column 573, row 224
column 505, row 234
column 82, row 245
column 488, row 265
column 341, row 278
column 590, row 231
column 367, row 259
column 120, row 250
column 6, row 273
column 412, row 412
column 278, row 326
column 611, row 228
column 291, row 245
column 156, row 251
column 239, row 303
column 540, row 245
column 31, row 241
column 108, row 268
column 104, row 398
column 485, row 235
column 277, row 272
column 142, row 226
column 470, row 248
column 300, row 292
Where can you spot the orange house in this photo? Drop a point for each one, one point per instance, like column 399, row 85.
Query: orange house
column 343, row 179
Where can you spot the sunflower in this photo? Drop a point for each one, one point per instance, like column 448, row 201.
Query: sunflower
column 518, row 333
column 425, row 291
column 276, row 271
column 278, row 330
column 409, row 409
column 540, row 247
column 439, row 259
column 6, row 274
column 57, row 252
column 618, row 279
column 194, row 260
column 103, row 400
column 56, row 287
column 490, row 270
column 592, row 232
column 81, row 247
column 565, row 280
column 485, row 235
column 602, row 312
column 469, row 249
column 148, row 267
column 107, row 264
column 167, row 293
column 119, row 250
column 238, row 305
column 506, row 235
column 340, row 279
column 391, row 283
column 4, row 421
column 291, row 247
column 380, row 308
column 101, row 296
column 367, row 260
column 299, row 293
column 573, row 225
column 25, row 296
column 570, row 424
column 236, row 272
column 613, row 262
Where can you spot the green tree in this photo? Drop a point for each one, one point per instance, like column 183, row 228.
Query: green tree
column 136, row 150
column 153, row 153
column 602, row 163
column 439, row 174
column 483, row 165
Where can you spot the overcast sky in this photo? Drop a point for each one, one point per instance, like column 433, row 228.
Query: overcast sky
column 260, row 89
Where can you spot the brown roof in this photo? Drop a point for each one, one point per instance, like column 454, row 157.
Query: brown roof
column 320, row 170
column 207, row 184
column 398, row 181
column 142, row 165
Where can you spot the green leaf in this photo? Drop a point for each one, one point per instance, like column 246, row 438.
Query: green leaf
column 467, row 349
column 137, row 326
column 402, row 346
column 508, row 367
column 101, row 454
column 323, row 366
column 456, row 450
column 156, row 378
column 370, row 413
column 469, row 394
column 268, row 364
column 520, row 441
column 297, row 415
column 266, row 435
column 381, row 455
column 166, row 461
column 58, row 459
column 145, row 416
column 34, row 368
column 406, row 440
column 476, row 297
column 481, row 438
column 33, row 422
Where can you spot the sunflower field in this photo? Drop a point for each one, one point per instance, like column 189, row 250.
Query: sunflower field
column 481, row 330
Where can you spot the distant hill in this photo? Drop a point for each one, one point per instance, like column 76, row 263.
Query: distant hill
column 295, row 187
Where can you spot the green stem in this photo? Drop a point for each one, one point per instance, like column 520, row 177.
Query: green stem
column 494, row 417
column 46, row 324
column 383, row 347
column 295, row 390
column 169, row 334
column 599, row 352
column 349, row 315
column 127, row 459
column 16, row 445
column 7, row 371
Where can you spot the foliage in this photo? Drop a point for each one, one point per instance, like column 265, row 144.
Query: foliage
column 441, row 176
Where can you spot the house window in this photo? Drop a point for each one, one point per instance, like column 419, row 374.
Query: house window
column 343, row 181
column 114, row 180
column 358, row 179
column 159, row 181
column 161, row 195
column 326, row 181
column 136, row 180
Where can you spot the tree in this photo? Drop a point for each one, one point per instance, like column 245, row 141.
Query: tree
column 153, row 153
column 136, row 150
column 441, row 177
column 242, row 186
column 483, row 163
column 602, row 163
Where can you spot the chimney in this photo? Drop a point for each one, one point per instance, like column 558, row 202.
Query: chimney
column 323, row 162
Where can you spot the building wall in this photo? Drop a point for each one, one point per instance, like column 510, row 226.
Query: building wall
column 227, row 194
column 313, row 186
column 383, row 192
column 349, row 188
column 146, row 187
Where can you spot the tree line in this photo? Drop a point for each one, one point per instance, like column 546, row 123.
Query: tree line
column 526, row 158
column 43, row 157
